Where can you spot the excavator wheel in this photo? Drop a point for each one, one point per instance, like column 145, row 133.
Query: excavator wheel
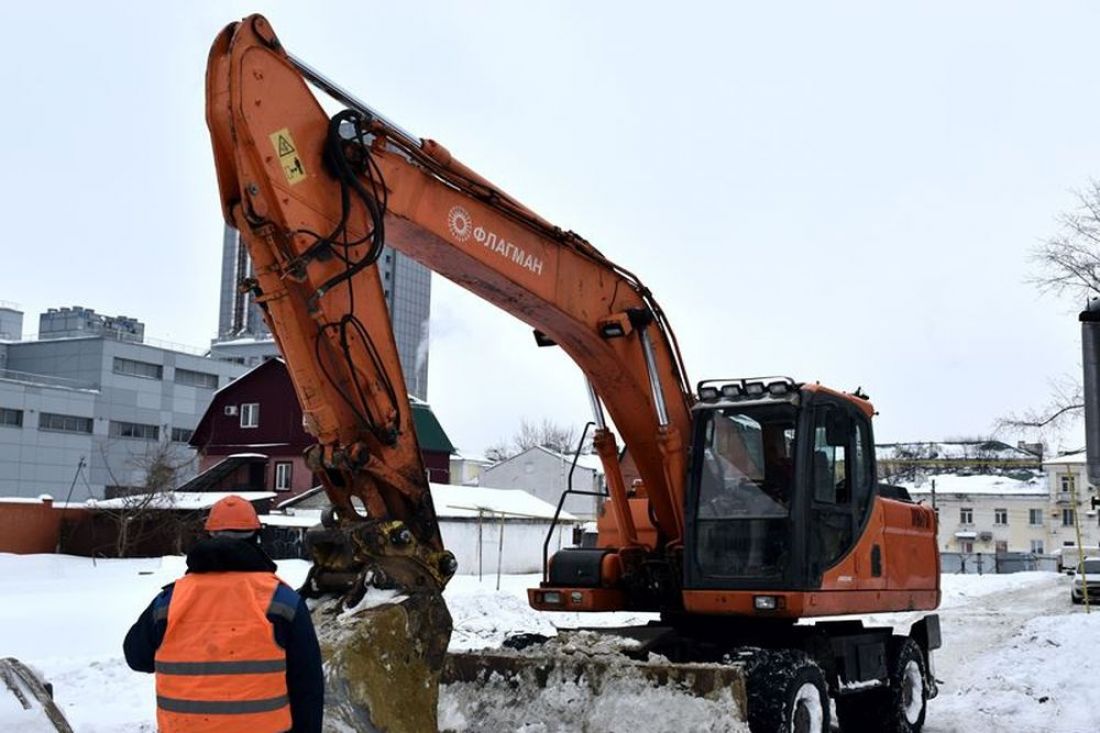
column 787, row 693
column 901, row 707
column 908, row 699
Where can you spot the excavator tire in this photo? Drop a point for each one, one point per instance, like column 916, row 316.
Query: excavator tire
column 908, row 699
column 787, row 693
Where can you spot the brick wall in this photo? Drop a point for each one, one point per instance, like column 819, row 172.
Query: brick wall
column 33, row 527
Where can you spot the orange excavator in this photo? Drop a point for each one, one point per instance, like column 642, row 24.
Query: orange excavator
column 733, row 509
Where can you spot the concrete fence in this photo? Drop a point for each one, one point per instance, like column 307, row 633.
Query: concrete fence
column 978, row 563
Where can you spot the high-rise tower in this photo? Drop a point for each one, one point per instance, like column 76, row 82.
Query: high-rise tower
column 243, row 335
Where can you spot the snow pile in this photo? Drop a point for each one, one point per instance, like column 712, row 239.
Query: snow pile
column 624, row 703
column 484, row 617
column 960, row 590
column 1043, row 679
column 581, row 681
column 373, row 598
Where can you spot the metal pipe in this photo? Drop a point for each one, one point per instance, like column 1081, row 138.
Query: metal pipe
column 500, row 549
column 480, row 517
column 347, row 98
column 654, row 380
column 1090, row 347
column 597, row 408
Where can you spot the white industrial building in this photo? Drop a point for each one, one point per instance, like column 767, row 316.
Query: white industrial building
column 486, row 529
column 85, row 404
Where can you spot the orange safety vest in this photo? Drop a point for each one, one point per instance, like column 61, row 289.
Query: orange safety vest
column 219, row 669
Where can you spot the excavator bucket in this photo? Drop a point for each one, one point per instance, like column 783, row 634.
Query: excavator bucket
column 588, row 681
column 382, row 625
column 381, row 661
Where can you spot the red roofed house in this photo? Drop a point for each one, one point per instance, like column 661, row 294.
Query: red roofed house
column 251, row 437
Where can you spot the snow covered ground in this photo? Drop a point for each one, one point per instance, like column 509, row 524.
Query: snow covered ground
column 1017, row 656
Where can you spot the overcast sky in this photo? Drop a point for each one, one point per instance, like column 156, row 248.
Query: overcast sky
column 845, row 194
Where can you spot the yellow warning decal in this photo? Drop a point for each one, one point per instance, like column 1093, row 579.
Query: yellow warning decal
column 288, row 156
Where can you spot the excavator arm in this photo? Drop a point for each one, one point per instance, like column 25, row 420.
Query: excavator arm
column 315, row 198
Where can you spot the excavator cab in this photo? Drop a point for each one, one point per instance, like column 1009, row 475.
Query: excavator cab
column 781, row 482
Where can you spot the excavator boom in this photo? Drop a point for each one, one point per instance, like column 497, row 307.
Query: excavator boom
column 315, row 199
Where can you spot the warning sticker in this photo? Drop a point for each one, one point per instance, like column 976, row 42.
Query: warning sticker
column 288, row 156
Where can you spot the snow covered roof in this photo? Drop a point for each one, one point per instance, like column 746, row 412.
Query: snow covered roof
column 456, row 502
column 460, row 455
column 990, row 484
column 1069, row 459
column 41, row 500
column 300, row 519
column 465, row 501
column 179, row 500
column 988, row 450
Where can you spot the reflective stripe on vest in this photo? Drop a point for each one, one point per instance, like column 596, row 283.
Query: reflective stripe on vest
column 219, row 668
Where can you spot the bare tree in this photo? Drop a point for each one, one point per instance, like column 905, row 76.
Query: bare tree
column 1068, row 265
column 1065, row 404
column 145, row 509
column 548, row 434
column 1069, row 261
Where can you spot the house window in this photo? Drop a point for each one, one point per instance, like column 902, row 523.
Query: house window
column 282, row 476
column 182, row 435
column 1067, row 482
column 196, row 379
column 1001, row 547
column 11, row 418
column 1037, row 547
column 1000, row 516
column 64, row 423
column 250, row 415
column 966, row 546
column 133, row 368
column 134, row 430
column 1067, row 517
column 966, row 515
column 1035, row 517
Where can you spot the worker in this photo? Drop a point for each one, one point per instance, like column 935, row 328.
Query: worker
column 208, row 637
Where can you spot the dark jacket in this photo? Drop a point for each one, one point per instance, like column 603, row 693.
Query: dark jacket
column 290, row 618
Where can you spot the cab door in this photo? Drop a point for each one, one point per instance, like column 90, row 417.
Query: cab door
column 831, row 459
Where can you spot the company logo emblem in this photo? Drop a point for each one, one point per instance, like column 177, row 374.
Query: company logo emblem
column 460, row 224
column 463, row 230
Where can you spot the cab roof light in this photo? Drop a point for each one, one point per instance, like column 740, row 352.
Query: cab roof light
column 708, row 394
column 615, row 325
column 731, row 391
column 778, row 388
column 612, row 329
column 754, row 389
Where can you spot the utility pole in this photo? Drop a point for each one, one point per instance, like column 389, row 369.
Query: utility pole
column 1080, row 546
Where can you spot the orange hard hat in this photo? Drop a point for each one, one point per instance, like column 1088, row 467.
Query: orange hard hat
column 232, row 513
